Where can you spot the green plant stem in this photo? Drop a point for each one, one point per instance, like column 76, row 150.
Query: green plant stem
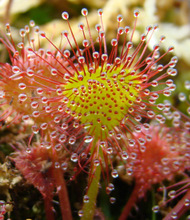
column 48, row 208
column 89, row 208
column 153, row 204
column 63, row 194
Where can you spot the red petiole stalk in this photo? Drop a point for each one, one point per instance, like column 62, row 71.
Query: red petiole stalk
column 48, row 208
column 62, row 193
column 130, row 203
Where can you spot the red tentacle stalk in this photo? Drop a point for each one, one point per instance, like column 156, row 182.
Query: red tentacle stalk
column 130, row 203
column 62, row 193
column 181, row 207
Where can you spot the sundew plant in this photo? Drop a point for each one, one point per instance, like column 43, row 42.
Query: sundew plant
column 89, row 108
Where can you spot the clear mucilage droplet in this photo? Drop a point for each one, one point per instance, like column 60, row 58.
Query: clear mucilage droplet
column 88, row 139
column 112, row 200
column 114, row 173
column 74, row 157
column 155, row 209
column 80, row 213
column 85, row 199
